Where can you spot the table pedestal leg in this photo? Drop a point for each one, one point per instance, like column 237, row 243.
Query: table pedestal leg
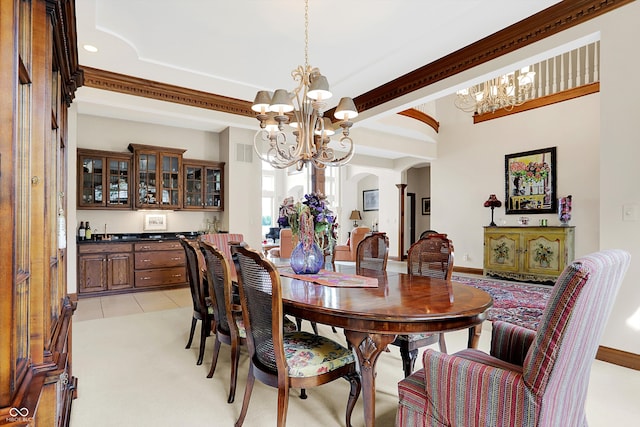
column 368, row 347
column 474, row 336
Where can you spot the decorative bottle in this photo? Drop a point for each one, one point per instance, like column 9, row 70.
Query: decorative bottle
column 87, row 231
column 81, row 231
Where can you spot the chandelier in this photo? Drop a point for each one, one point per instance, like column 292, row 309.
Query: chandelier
column 303, row 110
column 506, row 92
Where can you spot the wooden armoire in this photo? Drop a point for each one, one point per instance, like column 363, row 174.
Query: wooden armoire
column 39, row 75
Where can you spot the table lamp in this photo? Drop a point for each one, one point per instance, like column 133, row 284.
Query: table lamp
column 355, row 216
column 492, row 203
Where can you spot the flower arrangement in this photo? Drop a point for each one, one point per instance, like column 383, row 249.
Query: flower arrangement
column 501, row 250
column 308, row 219
column 533, row 171
column 542, row 254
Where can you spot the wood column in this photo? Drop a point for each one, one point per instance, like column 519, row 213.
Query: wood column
column 401, row 188
column 317, row 180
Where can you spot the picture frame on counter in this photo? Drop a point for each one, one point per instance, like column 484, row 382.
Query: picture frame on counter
column 155, row 222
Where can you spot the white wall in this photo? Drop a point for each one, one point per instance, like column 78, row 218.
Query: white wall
column 470, row 166
column 598, row 151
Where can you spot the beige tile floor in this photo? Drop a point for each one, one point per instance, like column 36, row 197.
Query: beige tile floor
column 133, row 370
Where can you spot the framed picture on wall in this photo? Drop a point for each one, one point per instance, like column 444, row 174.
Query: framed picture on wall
column 155, row 222
column 370, row 200
column 530, row 182
column 426, row 206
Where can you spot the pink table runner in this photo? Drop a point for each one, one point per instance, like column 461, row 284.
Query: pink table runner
column 332, row 278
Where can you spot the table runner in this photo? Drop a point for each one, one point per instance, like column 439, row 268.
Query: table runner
column 332, row 278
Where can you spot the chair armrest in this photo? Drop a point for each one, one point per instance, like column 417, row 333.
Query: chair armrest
column 511, row 342
column 458, row 389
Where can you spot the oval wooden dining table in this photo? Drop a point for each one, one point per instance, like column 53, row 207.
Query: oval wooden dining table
column 372, row 317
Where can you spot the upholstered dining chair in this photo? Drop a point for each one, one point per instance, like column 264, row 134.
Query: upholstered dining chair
column 197, row 285
column 284, row 359
column 530, row 378
column 228, row 326
column 372, row 253
column 431, row 256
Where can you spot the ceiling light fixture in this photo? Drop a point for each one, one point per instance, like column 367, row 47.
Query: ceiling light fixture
column 506, row 92
column 306, row 106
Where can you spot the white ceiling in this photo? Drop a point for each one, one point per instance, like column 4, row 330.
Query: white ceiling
column 234, row 48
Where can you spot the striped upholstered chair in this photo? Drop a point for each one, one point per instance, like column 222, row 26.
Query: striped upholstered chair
column 530, row 378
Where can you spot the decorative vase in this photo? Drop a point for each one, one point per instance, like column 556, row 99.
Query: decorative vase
column 307, row 259
column 564, row 210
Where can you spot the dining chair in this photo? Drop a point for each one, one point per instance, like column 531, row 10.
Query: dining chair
column 284, row 359
column 431, row 256
column 426, row 233
column 227, row 325
column 372, row 253
column 199, row 292
column 529, row 378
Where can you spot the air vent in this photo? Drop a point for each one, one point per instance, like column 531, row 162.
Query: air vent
column 244, row 153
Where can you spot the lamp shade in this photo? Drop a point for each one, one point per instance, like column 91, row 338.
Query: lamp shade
column 346, row 109
column 355, row 216
column 319, row 88
column 262, row 102
column 281, row 102
column 492, row 202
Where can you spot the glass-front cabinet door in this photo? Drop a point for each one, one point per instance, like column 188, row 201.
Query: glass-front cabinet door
column 103, row 179
column 204, row 185
column 158, row 178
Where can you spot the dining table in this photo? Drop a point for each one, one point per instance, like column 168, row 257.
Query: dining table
column 374, row 311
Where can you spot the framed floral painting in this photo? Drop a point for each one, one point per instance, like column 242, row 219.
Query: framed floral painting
column 530, row 182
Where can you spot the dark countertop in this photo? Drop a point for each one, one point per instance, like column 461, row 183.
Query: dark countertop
column 138, row 237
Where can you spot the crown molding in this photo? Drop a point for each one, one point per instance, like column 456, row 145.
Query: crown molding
column 545, row 23
column 557, row 18
column 107, row 80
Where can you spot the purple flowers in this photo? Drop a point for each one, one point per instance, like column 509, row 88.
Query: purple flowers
column 323, row 218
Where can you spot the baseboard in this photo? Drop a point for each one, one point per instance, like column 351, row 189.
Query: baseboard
column 468, row 270
column 619, row 357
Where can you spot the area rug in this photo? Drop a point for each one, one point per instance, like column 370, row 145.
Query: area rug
column 518, row 303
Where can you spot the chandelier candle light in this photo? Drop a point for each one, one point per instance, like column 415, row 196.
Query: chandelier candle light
column 492, row 203
column 312, row 131
column 506, row 92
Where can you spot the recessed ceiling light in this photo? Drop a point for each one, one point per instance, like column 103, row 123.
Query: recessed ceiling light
column 90, row 48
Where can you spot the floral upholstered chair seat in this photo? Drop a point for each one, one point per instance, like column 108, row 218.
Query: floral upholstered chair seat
column 309, row 354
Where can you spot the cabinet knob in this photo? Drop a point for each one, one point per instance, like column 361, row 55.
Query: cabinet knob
column 176, row 275
column 176, row 258
column 146, row 260
column 146, row 278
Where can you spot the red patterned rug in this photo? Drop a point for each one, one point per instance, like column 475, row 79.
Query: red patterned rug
column 518, row 303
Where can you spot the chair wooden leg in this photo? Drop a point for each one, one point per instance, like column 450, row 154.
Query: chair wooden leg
column 204, row 333
column 442, row 343
column 408, row 359
column 354, row 393
column 235, row 358
column 283, row 405
column 193, row 329
column 214, row 359
column 314, row 326
column 247, row 396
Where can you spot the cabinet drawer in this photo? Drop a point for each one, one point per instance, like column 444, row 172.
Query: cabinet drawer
column 104, row 248
column 171, row 245
column 161, row 277
column 159, row 259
